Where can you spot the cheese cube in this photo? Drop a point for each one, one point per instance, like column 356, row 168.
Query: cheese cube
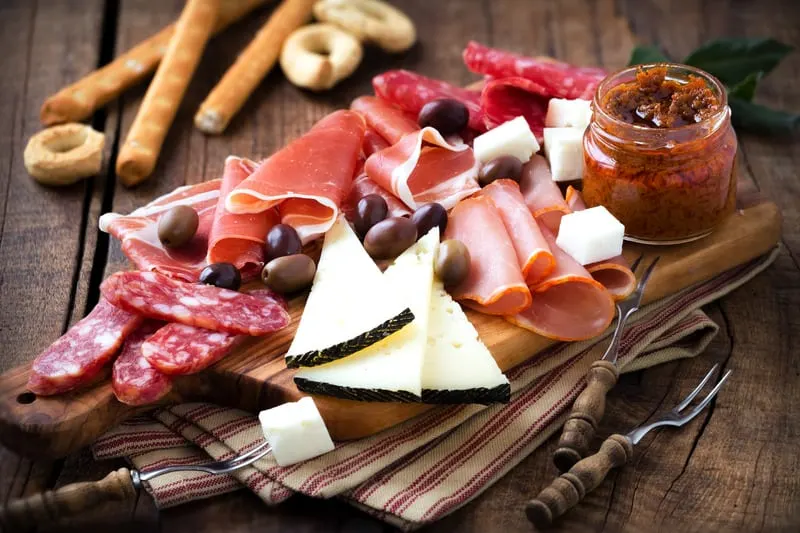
column 510, row 138
column 564, row 150
column 295, row 431
column 563, row 113
column 590, row 235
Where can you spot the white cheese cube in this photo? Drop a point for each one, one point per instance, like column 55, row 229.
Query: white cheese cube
column 510, row 138
column 295, row 431
column 590, row 235
column 564, row 150
column 563, row 113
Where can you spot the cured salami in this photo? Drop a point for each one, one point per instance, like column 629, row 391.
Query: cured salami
column 542, row 194
column 410, row 91
column 133, row 379
column 308, row 179
column 556, row 79
column 508, row 98
column 178, row 349
column 138, row 232
column 363, row 186
column 384, row 119
column 77, row 357
column 156, row 296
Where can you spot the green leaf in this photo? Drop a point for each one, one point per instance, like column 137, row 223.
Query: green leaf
column 642, row 55
column 746, row 89
column 759, row 119
column 733, row 60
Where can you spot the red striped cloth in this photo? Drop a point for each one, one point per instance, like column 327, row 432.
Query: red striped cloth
column 427, row 467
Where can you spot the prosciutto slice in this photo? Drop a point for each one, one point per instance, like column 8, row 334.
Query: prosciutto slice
column 568, row 305
column 533, row 254
column 238, row 239
column 384, row 119
column 308, row 179
column 507, row 98
column 363, row 186
column 495, row 284
column 138, row 232
column 542, row 194
column 614, row 274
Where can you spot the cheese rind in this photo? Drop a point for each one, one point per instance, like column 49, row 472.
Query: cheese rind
column 564, row 150
column 510, row 138
column 295, row 431
column 591, row 235
column 563, row 113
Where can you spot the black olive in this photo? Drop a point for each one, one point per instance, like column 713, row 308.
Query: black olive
column 289, row 273
column 505, row 166
column 282, row 240
column 222, row 275
column 177, row 226
column 445, row 115
column 370, row 210
column 452, row 262
column 428, row 216
column 390, row 237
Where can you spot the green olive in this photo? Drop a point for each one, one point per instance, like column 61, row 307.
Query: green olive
column 177, row 226
column 289, row 273
column 390, row 237
column 452, row 262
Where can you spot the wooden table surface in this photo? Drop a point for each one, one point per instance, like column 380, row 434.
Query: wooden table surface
column 735, row 468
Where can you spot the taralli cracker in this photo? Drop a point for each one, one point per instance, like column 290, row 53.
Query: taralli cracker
column 319, row 56
column 370, row 21
column 79, row 100
column 137, row 157
column 64, row 154
column 252, row 65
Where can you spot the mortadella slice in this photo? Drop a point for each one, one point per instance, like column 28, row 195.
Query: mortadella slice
column 569, row 305
column 133, row 380
column 615, row 274
column 495, row 284
column 534, row 256
column 542, row 194
column 308, row 179
column 386, row 120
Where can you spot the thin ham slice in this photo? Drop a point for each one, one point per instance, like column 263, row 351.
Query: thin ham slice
column 505, row 99
column 373, row 142
column 363, row 186
column 614, row 274
column 308, row 179
column 239, row 239
column 534, row 256
column 542, row 194
column 386, row 120
column 138, row 232
column 495, row 284
column 568, row 305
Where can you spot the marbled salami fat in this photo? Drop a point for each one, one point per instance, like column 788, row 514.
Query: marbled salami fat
column 79, row 355
column 156, row 296
column 134, row 380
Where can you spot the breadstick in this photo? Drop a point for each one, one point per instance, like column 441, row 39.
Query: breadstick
column 137, row 157
column 79, row 100
column 252, row 65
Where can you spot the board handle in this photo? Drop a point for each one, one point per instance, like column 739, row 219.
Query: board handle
column 53, row 506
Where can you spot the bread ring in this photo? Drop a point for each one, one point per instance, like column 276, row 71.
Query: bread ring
column 370, row 21
column 64, row 154
column 319, row 56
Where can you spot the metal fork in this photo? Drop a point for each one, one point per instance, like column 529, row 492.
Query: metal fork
column 122, row 485
column 583, row 420
column 569, row 488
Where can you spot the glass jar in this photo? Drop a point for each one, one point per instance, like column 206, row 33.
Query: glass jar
column 666, row 185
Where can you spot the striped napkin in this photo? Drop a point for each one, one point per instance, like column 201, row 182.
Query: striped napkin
column 427, row 467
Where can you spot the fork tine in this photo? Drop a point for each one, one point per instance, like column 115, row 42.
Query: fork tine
column 635, row 264
column 694, row 412
column 646, row 275
column 686, row 401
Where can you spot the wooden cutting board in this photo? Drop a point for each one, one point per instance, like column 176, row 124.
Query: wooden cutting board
column 256, row 378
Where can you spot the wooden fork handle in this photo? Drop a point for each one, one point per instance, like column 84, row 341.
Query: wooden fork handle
column 569, row 488
column 52, row 506
column 587, row 411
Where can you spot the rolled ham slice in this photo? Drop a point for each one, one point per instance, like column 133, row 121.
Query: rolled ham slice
column 507, row 98
column 385, row 119
column 308, row 179
column 569, row 305
column 534, row 256
column 614, row 274
column 542, row 194
column 495, row 284
column 239, row 239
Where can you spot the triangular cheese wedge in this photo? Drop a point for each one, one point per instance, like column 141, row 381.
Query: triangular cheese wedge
column 390, row 370
column 458, row 368
column 351, row 305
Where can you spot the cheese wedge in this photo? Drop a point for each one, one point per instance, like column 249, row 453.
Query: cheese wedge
column 510, row 138
column 295, row 431
column 389, row 370
column 458, row 368
column 568, row 113
column 564, row 150
column 351, row 305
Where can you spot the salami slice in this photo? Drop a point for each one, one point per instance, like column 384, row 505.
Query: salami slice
column 410, row 91
column 79, row 355
column 133, row 379
column 178, row 349
column 505, row 99
column 157, row 296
